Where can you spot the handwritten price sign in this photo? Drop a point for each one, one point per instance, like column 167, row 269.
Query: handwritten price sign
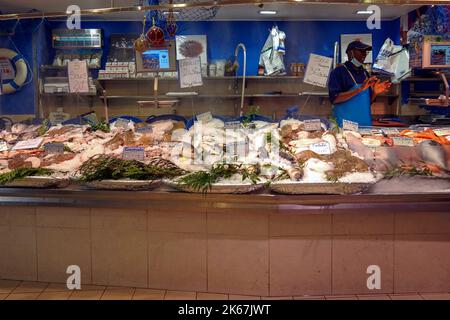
column 190, row 73
column 78, row 76
column 318, row 70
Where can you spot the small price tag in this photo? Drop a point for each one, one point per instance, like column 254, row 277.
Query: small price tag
column 205, row 117
column 54, row 147
column 28, row 144
column 320, row 148
column 133, row 153
column 365, row 131
column 144, row 129
column 403, row 141
column 350, row 125
column 312, row 125
column 3, row 146
column 232, row 125
column 442, row 132
column 391, row 131
column 122, row 123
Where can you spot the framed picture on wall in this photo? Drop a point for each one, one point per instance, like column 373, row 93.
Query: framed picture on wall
column 192, row 46
column 363, row 37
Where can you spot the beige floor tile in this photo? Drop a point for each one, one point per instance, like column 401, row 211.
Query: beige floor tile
column 435, row 296
column 276, row 298
column 242, row 297
column 86, row 295
column 349, row 297
column 149, row 294
column 23, row 296
column 180, row 295
column 7, row 286
column 118, row 294
column 3, row 296
column 310, row 298
column 405, row 297
column 211, row 296
column 55, row 295
column 31, row 287
column 374, row 297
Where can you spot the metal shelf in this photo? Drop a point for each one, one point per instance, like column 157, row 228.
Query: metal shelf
column 50, row 67
column 229, row 96
column 207, row 78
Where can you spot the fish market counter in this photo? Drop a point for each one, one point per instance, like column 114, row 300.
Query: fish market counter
column 256, row 244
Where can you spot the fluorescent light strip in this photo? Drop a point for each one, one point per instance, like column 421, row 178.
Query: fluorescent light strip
column 364, row 12
column 267, row 12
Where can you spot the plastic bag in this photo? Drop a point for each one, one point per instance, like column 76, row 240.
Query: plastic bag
column 392, row 60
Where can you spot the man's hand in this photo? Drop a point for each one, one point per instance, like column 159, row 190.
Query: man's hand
column 369, row 82
column 381, row 87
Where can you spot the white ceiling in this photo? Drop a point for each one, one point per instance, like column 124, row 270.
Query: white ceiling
column 294, row 11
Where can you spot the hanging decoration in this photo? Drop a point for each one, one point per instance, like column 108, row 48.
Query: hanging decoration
column 155, row 35
column 141, row 43
column 171, row 26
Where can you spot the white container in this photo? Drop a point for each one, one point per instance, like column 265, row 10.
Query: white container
column 220, row 68
column 212, row 70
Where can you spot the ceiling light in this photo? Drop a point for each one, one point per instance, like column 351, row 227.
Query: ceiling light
column 179, row 5
column 267, row 12
column 168, row 12
column 364, row 12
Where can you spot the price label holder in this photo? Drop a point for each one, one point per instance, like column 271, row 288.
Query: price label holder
column 312, row 125
column 54, row 148
column 133, row 153
column 205, row 117
column 320, row 148
column 232, row 125
column 3, row 146
column 403, row 141
column 144, row 129
column 122, row 123
column 350, row 125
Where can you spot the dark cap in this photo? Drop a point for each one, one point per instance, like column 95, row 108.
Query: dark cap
column 358, row 45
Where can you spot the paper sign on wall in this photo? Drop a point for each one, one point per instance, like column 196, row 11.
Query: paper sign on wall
column 190, row 73
column 318, row 70
column 78, row 76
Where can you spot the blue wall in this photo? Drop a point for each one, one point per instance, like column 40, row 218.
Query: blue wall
column 21, row 102
column 303, row 38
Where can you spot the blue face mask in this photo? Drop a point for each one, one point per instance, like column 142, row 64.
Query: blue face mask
column 356, row 63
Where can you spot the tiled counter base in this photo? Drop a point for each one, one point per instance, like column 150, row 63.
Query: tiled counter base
column 284, row 251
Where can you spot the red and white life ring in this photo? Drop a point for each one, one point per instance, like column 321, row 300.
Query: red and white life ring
column 11, row 86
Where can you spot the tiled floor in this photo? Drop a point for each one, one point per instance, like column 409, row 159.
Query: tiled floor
column 25, row 290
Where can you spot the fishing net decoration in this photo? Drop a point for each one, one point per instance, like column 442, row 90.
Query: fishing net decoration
column 435, row 21
column 166, row 19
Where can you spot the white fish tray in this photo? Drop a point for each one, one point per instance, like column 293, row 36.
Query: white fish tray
column 320, row 188
column 124, row 184
column 38, row 182
column 217, row 187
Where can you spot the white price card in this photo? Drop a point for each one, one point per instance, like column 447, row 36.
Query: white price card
column 320, row 148
column 312, row 125
column 318, row 70
column 205, row 117
column 232, row 125
column 28, row 144
column 122, row 123
column 3, row 145
column 133, row 153
column 190, row 73
column 403, row 141
column 78, row 76
column 391, row 131
column 350, row 125
column 442, row 131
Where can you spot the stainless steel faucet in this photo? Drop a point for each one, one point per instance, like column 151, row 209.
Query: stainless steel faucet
column 241, row 45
